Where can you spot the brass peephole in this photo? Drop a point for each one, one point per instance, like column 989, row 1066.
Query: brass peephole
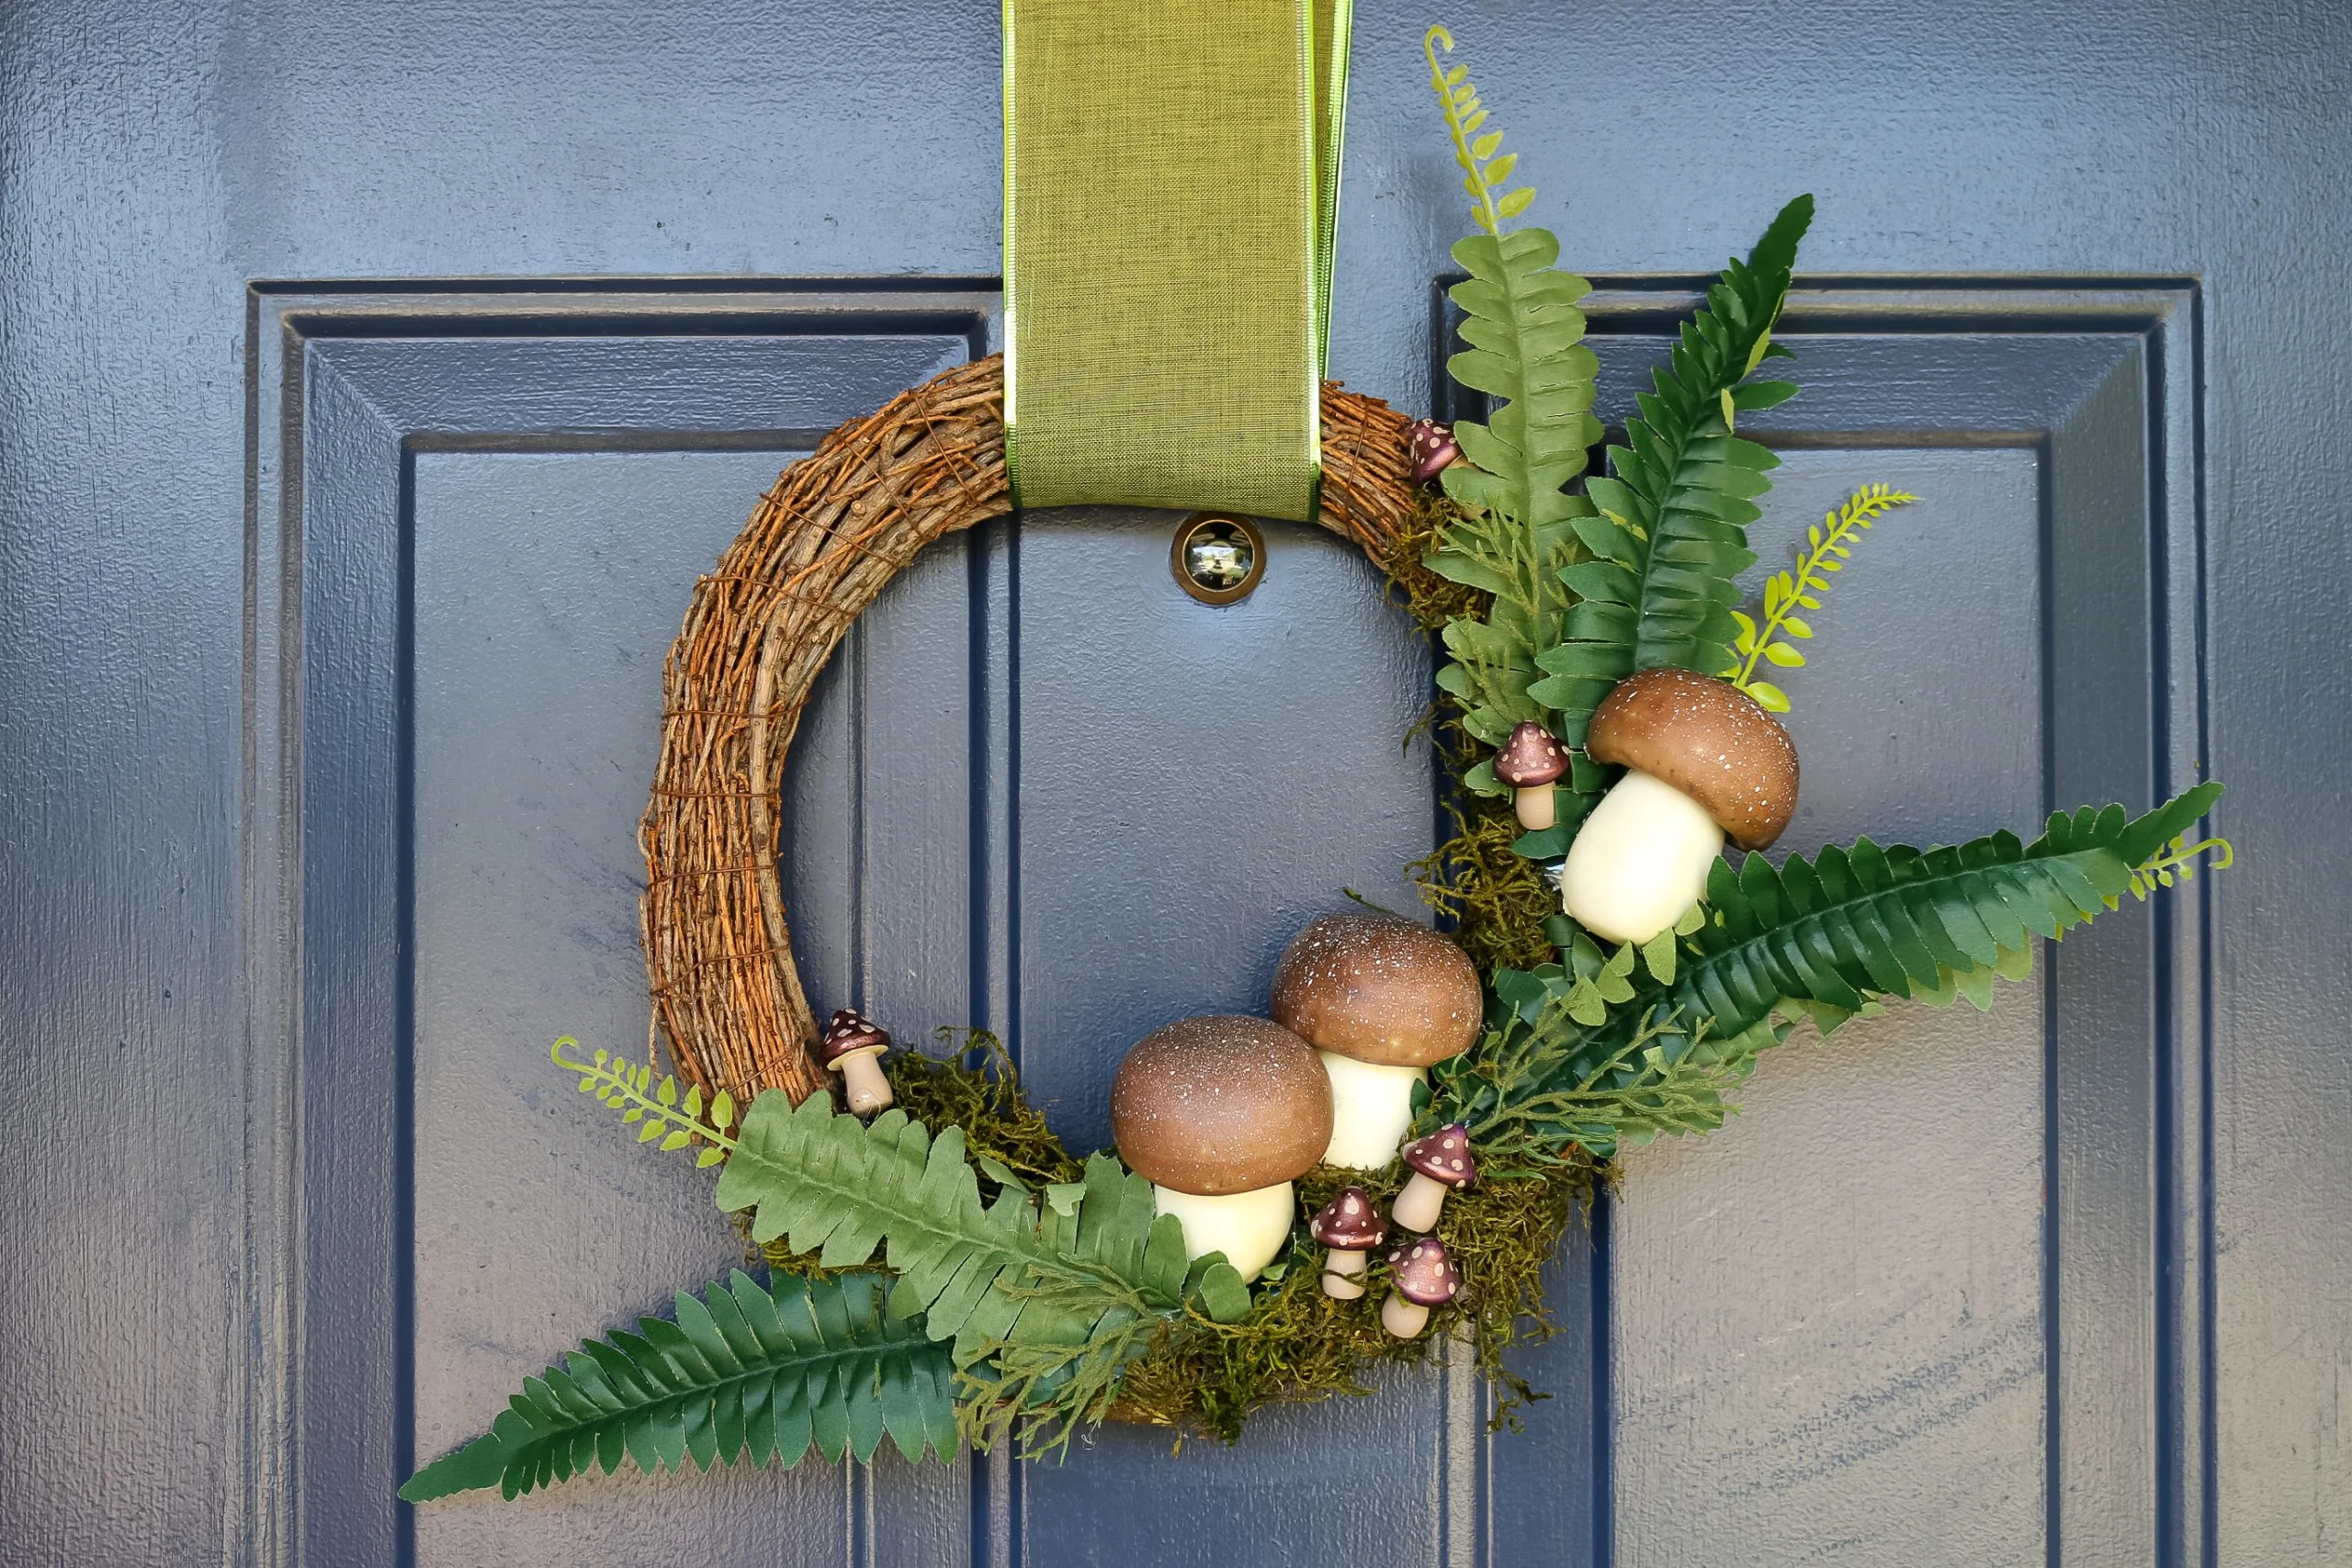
column 1217, row 558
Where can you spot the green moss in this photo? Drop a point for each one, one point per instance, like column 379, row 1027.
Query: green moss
column 1495, row 902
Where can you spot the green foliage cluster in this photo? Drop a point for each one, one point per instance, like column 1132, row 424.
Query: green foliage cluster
column 1672, row 530
column 1513, row 533
column 743, row 1370
column 1828, row 545
column 1819, row 937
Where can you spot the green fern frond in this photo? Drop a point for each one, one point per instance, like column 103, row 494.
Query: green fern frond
column 1823, row 939
column 1527, row 354
column 1828, row 545
column 1056, row 1295
column 1847, row 926
column 1672, row 530
column 743, row 1371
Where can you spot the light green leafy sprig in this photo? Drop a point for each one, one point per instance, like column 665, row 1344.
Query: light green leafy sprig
column 661, row 1112
column 1484, row 167
column 1828, row 546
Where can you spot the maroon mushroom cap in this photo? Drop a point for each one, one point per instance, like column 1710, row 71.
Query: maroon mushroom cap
column 852, row 1032
column 1531, row 757
column 1423, row 1274
column 1349, row 1223
column 1433, row 448
column 1444, row 1156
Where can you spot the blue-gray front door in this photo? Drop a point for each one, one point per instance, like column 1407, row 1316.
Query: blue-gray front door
column 374, row 383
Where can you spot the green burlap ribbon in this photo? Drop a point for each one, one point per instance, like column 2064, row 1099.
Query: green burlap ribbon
column 1171, row 185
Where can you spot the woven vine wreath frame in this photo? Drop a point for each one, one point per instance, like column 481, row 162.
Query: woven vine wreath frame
column 822, row 544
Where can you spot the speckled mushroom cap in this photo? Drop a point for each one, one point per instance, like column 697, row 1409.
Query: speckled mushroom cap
column 1529, row 757
column 1444, row 1156
column 1221, row 1104
column 1379, row 990
column 850, row 1031
column 1709, row 740
column 1423, row 1273
column 1349, row 1223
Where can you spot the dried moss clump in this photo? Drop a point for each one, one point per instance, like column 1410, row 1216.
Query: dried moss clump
column 1297, row 1345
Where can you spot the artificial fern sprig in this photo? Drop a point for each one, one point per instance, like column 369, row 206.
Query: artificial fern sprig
column 1828, row 545
column 1484, row 173
column 678, row 1121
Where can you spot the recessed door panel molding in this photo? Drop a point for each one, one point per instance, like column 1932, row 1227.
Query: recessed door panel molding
column 477, row 513
column 1943, row 1296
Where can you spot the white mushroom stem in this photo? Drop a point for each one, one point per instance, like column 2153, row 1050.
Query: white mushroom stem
column 1343, row 1274
column 1639, row 860
column 1538, row 807
column 862, row 1077
column 1372, row 1105
column 1249, row 1227
column 1417, row 1207
column 1403, row 1318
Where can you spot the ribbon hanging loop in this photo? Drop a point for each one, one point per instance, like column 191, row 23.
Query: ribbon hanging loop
column 1171, row 183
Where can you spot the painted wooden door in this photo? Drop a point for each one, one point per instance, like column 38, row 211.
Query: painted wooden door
column 378, row 380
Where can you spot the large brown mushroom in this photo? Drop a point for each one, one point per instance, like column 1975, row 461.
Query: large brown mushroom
column 1384, row 1000
column 1348, row 1226
column 1702, row 761
column 1223, row 1113
column 853, row 1047
column 1424, row 1277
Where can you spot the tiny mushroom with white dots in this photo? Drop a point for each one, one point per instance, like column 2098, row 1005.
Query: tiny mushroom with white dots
column 1351, row 1227
column 1701, row 760
column 1424, row 1277
column 1531, row 762
column 1441, row 1164
column 853, row 1047
column 1384, row 1000
column 1223, row 1113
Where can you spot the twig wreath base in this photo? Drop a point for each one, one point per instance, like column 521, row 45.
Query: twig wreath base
column 838, row 525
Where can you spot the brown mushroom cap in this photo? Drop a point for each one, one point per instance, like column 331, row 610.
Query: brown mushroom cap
column 1444, row 1156
column 1379, row 990
column 1349, row 1223
column 850, row 1032
column 1531, row 757
column 1218, row 1105
column 1423, row 1273
column 1709, row 740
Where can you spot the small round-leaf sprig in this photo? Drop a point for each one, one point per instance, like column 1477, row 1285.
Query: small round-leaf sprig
column 678, row 1119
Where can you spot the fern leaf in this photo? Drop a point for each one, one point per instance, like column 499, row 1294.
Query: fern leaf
column 1823, row 939
column 1847, row 926
column 743, row 1371
column 1671, row 534
column 1526, row 352
column 1046, row 1303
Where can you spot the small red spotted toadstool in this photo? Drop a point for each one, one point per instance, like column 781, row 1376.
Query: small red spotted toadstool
column 1530, row 762
column 1440, row 1163
column 1424, row 1277
column 853, row 1047
column 1351, row 1227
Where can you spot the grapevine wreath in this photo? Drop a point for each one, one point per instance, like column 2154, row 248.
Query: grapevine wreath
column 1379, row 1167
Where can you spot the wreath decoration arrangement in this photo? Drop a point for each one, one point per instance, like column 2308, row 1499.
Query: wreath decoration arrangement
column 1379, row 1168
